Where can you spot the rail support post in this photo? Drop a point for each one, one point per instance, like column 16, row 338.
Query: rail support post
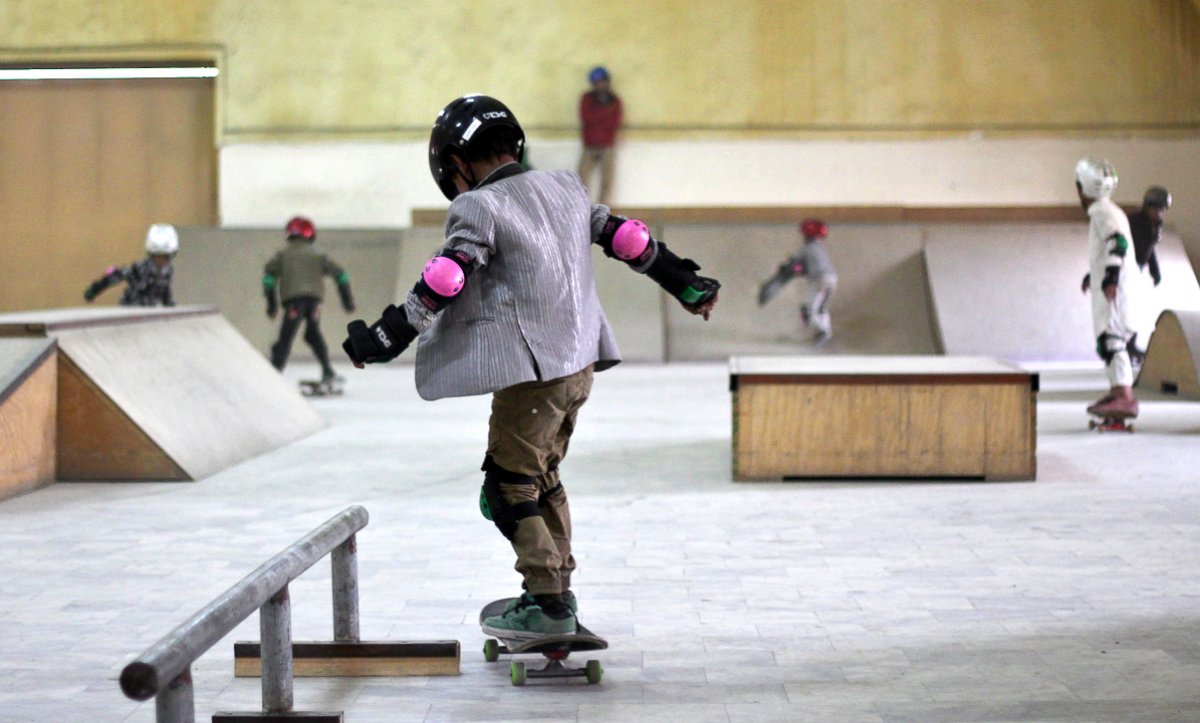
column 175, row 703
column 275, row 627
column 344, row 561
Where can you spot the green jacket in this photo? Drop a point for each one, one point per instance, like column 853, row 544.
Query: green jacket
column 300, row 271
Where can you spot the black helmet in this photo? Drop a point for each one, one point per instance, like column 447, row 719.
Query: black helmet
column 1157, row 196
column 458, row 124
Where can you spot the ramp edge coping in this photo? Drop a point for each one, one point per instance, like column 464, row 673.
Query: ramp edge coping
column 33, row 325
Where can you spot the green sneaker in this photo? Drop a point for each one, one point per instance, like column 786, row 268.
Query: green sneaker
column 568, row 598
column 527, row 622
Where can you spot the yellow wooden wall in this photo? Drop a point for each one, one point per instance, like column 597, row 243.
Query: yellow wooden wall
column 383, row 68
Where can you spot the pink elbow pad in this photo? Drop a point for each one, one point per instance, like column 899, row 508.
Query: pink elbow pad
column 444, row 276
column 630, row 240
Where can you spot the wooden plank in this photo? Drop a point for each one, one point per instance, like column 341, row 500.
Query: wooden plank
column 263, row 717
column 98, row 441
column 320, row 659
column 27, row 428
column 861, row 430
column 831, row 214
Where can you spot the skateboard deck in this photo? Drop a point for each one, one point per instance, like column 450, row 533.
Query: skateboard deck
column 317, row 388
column 555, row 648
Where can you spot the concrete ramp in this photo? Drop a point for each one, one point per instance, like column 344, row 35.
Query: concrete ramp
column 161, row 394
column 28, row 385
column 1173, row 360
column 1012, row 290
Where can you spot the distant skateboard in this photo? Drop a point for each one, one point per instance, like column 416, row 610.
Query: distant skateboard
column 555, row 648
column 1110, row 423
column 318, row 388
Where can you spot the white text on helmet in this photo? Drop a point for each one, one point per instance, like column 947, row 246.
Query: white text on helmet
column 492, row 115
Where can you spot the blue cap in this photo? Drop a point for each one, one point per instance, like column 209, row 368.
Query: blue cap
column 598, row 74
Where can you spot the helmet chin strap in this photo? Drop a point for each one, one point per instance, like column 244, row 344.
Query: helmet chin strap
column 468, row 175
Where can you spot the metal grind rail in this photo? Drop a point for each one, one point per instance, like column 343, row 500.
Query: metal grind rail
column 163, row 671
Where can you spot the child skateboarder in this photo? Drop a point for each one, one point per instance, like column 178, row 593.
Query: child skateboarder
column 298, row 274
column 509, row 308
column 148, row 281
column 813, row 263
column 1112, row 266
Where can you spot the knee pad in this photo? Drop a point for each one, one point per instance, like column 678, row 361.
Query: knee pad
column 492, row 503
column 1136, row 354
column 1107, row 346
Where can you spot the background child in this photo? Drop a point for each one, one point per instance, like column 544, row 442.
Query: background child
column 812, row 262
column 298, row 274
column 148, row 281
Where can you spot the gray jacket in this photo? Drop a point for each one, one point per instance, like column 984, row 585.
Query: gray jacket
column 530, row 311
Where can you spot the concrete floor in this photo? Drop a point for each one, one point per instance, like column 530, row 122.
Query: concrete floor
column 1074, row 598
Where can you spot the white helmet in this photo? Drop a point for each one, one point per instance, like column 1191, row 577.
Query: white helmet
column 161, row 238
column 1096, row 177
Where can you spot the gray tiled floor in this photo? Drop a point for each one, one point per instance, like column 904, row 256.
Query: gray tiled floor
column 1075, row 598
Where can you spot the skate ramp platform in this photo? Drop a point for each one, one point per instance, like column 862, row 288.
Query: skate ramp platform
column 28, row 390
column 1173, row 360
column 160, row 394
column 1012, row 291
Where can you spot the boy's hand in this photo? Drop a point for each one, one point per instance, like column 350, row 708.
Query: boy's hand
column 701, row 296
column 704, row 309
column 381, row 342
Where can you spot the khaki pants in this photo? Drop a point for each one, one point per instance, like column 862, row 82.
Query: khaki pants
column 528, row 433
column 606, row 159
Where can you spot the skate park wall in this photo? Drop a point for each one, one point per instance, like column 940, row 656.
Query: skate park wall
column 1012, row 291
column 224, row 266
column 881, row 305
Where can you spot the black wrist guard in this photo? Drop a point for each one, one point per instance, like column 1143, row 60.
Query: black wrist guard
column 678, row 278
column 383, row 341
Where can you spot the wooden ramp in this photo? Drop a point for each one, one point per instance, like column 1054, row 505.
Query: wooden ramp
column 161, row 394
column 1011, row 291
column 28, row 388
column 1173, row 360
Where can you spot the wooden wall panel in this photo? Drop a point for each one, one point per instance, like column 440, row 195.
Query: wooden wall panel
column 27, row 431
column 85, row 167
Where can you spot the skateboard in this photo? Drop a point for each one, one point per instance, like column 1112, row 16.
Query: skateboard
column 555, row 648
column 1110, row 424
column 317, row 388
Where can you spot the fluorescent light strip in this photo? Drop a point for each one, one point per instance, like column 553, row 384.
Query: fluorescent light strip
column 105, row 73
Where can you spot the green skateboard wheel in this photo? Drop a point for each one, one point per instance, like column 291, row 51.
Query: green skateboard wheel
column 594, row 671
column 491, row 650
column 517, row 671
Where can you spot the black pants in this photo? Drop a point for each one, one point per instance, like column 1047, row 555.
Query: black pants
column 295, row 311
